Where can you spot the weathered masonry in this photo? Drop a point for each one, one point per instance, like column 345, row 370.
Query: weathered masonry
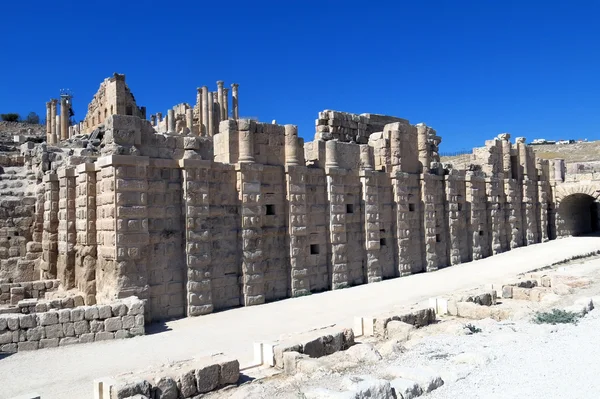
column 204, row 211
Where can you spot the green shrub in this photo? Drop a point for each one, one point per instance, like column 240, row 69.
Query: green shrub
column 556, row 316
column 10, row 117
column 472, row 329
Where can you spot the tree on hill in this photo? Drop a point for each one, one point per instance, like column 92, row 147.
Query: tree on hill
column 33, row 118
column 10, row 117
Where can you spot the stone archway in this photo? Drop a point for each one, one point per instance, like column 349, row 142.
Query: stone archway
column 577, row 211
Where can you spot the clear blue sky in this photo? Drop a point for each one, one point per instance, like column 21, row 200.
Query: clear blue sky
column 470, row 69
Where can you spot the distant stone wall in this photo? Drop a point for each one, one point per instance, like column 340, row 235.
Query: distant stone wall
column 12, row 293
column 22, row 332
column 347, row 127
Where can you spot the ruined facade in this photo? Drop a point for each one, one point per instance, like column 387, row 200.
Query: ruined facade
column 222, row 212
column 112, row 98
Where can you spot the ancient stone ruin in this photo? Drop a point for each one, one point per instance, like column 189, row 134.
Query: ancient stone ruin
column 204, row 211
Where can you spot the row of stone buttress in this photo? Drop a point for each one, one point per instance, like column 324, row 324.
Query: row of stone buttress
column 458, row 246
column 253, row 262
column 105, row 232
column 65, row 264
column 496, row 220
column 408, row 222
column 477, row 220
column 530, row 212
column 197, row 236
column 297, row 228
column 50, row 235
column 372, row 217
column 86, row 250
column 544, row 196
column 513, row 215
column 434, row 224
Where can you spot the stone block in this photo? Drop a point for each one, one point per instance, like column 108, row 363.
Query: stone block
column 290, row 362
column 507, row 291
column 54, row 331
column 165, row 388
column 68, row 329
column 28, row 346
column 137, row 331
column 77, row 314
column 399, row 330
column 207, row 378
column 12, row 321
column 130, row 389
column 96, row 326
column 3, row 323
column 49, row 343
column 47, row 318
column 368, row 387
column 229, row 372
column 104, row 311
column 113, row 324
column 6, row 337
column 64, row 315
column 186, row 382
column 520, row 293
column 285, row 347
column 27, row 321
column 128, row 321
column 35, row 334
column 136, row 307
column 81, row 327
column 91, row 312
column 104, row 336
column 118, row 309
column 121, row 334
column 139, row 320
column 86, row 338
column 406, row 389
column 8, row 348
column 68, row 341
column 427, row 379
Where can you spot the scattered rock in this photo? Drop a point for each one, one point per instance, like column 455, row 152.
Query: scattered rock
column 364, row 353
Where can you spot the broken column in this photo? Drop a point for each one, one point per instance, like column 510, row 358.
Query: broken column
column 245, row 141
column 189, row 119
column 211, row 115
column 48, row 124
column 171, row 121
column 64, row 119
column 54, row 134
column 205, row 112
column 423, row 146
column 234, row 100
column 225, row 104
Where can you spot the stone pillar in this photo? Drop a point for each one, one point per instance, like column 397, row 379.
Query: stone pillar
column 153, row 120
column 197, row 236
column 513, row 217
column 53, row 132
column 297, row 228
column 200, row 109
column 225, row 103
column 64, row 119
column 65, row 266
column 211, row 115
column 432, row 198
column 340, row 273
column 458, row 248
column 171, row 121
column 531, row 234
column 50, row 235
column 205, row 111
column 291, row 145
column 478, row 227
column 58, row 128
column 48, row 124
column 544, row 197
column 234, row 100
column 496, row 220
column 372, row 217
column 423, row 147
column 189, row 119
column 220, row 98
column 86, row 250
column 506, row 151
column 246, row 141
column 331, row 154
column 123, row 236
column 253, row 261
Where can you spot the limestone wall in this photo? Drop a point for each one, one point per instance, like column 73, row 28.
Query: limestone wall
column 22, row 332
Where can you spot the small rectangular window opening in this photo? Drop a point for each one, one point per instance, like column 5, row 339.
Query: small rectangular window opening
column 480, row 232
column 382, row 242
column 459, row 207
column 270, row 209
column 314, row 249
column 411, row 207
column 438, row 238
column 349, row 208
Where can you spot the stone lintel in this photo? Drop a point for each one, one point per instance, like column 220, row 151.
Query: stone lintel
column 295, row 169
column 66, row 172
column 427, row 176
column 240, row 166
column 50, row 177
column 329, row 171
column 116, row 160
column 194, row 163
column 163, row 163
column 85, row 167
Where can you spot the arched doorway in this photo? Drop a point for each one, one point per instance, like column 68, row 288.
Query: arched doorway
column 577, row 214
